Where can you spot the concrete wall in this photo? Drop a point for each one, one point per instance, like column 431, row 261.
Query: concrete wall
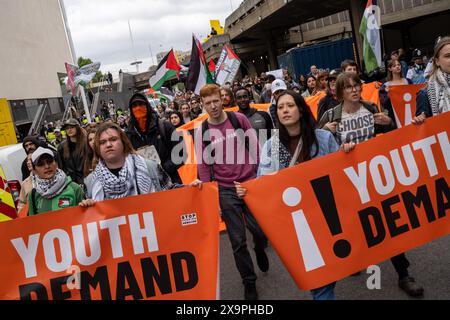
column 213, row 47
column 34, row 47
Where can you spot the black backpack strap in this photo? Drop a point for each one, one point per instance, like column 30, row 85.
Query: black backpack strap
column 237, row 125
column 234, row 120
column 207, row 141
column 205, row 127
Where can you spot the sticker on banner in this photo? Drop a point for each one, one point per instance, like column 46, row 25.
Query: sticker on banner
column 188, row 219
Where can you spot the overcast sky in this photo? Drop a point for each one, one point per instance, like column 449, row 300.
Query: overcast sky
column 100, row 30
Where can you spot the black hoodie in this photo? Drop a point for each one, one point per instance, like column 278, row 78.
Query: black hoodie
column 157, row 133
column 38, row 143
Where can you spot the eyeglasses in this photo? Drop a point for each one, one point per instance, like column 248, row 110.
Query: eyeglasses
column 244, row 97
column 349, row 89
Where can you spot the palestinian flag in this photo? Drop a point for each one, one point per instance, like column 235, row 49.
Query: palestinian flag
column 71, row 70
column 227, row 66
column 370, row 31
column 167, row 69
column 199, row 74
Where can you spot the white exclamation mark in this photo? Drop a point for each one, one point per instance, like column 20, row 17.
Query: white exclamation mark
column 408, row 112
column 312, row 258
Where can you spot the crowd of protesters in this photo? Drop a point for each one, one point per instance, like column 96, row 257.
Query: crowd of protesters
column 130, row 153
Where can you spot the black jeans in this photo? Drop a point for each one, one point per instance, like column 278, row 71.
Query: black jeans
column 401, row 265
column 236, row 216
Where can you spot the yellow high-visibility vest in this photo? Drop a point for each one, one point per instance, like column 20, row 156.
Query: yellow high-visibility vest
column 50, row 136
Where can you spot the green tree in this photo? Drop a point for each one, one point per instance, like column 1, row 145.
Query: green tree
column 84, row 62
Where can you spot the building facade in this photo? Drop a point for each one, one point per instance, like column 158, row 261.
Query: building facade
column 261, row 30
column 35, row 43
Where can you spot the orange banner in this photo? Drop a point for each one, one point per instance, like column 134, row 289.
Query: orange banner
column 313, row 102
column 371, row 92
column 144, row 247
column 403, row 100
column 331, row 217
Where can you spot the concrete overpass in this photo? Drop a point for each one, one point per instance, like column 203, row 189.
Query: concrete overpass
column 254, row 18
column 262, row 23
column 262, row 29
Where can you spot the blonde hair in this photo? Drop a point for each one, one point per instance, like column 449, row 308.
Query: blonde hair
column 437, row 50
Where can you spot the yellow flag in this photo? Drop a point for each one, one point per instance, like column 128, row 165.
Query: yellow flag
column 215, row 24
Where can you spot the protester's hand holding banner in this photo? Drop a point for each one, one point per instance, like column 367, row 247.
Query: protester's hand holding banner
column 158, row 246
column 403, row 100
column 333, row 216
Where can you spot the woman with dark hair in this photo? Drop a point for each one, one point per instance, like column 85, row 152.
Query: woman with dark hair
column 72, row 151
column 302, row 83
column 89, row 164
column 91, row 160
column 435, row 98
column 174, row 106
column 394, row 75
column 186, row 114
column 176, row 119
column 395, row 78
column 354, row 121
column 298, row 141
column 310, row 87
column 161, row 111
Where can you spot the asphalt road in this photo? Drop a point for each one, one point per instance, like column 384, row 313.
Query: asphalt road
column 429, row 266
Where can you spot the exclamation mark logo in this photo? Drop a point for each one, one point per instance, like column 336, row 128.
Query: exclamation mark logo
column 312, row 258
column 324, row 194
column 408, row 112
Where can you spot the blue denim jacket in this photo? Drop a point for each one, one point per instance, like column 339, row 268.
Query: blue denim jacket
column 270, row 164
column 423, row 104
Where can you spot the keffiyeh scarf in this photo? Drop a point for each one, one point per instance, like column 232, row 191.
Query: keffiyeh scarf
column 50, row 188
column 133, row 174
column 281, row 155
column 438, row 92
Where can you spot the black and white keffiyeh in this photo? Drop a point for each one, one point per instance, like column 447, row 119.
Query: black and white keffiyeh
column 133, row 179
column 438, row 91
column 282, row 156
column 50, row 188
